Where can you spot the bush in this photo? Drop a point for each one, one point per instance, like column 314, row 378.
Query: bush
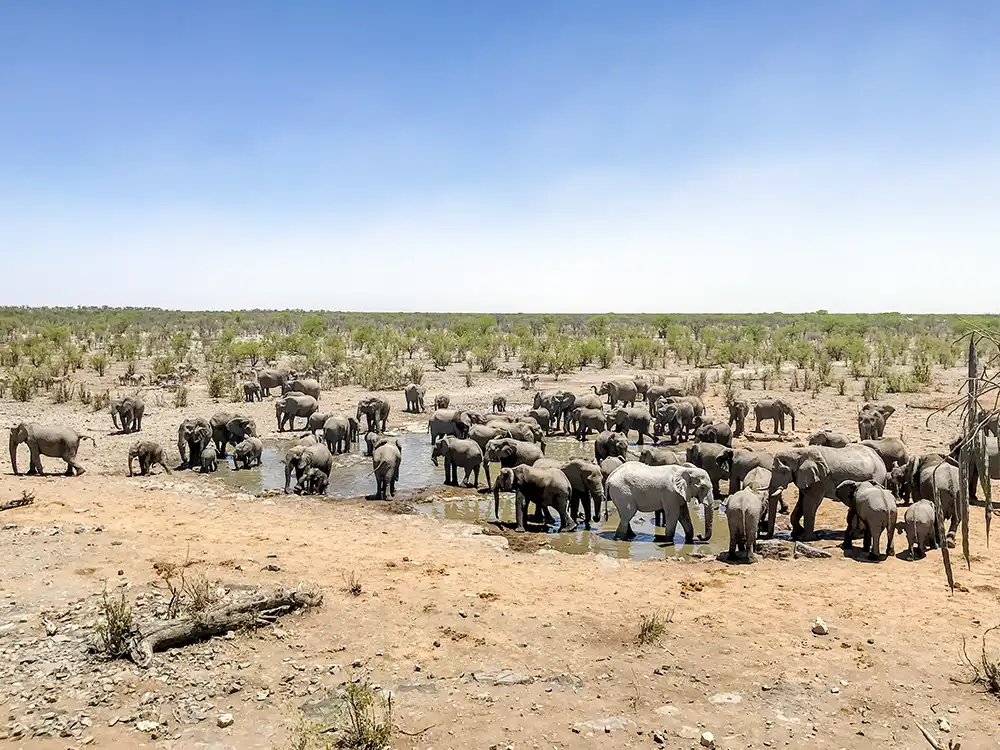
column 163, row 366
column 652, row 627
column 922, row 370
column 63, row 394
column 468, row 376
column 22, row 385
column 794, row 384
column 486, row 358
column 605, row 356
column 415, row 373
column 181, row 397
column 873, row 389
column 731, row 394
column 115, row 628
column 842, row 387
column 85, row 396
column 697, row 385
column 747, row 377
column 378, row 372
column 100, row 401
column 370, row 724
column 900, row 382
column 4, row 384
column 219, row 383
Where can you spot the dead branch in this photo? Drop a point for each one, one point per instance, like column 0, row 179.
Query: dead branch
column 261, row 606
column 18, row 503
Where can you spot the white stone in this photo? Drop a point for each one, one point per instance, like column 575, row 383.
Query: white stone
column 147, row 726
column 819, row 627
column 707, row 740
column 725, row 699
column 944, row 726
column 225, row 720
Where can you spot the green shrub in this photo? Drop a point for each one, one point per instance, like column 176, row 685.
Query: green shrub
column 842, row 387
column 468, row 375
column 873, row 389
column 100, row 400
column 901, row 382
column 697, row 385
column 163, row 365
column 415, row 373
column 22, row 385
column 921, row 370
column 486, row 358
column 115, row 628
column 181, row 397
column 85, row 396
column 219, row 383
column 63, row 393
column 98, row 363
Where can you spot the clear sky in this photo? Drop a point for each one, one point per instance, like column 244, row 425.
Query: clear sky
column 515, row 155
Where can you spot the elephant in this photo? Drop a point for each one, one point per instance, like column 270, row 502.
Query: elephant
column 588, row 420
column 230, row 428
column 193, row 435
column 817, row 471
column 586, row 482
column 635, row 486
column 308, row 440
column 374, row 439
column 740, row 462
column 442, row 401
column 251, row 392
column 675, row 419
column 209, row 459
column 148, row 453
column 715, row 459
column 483, row 434
column 448, row 422
column 130, row 410
column 376, row 410
column 293, row 405
column 458, row 454
column 300, row 457
column 268, row 379
column 386, row 459
column 529, row 432
column 660, row 457
column 499, row 403
column 316, row 421
column 641, row 386
column 655, row 392
column 774, row 409
column 633, row 418
column 830, row 439
column 872, row 419
column 919, row 478
column 509, row 453
column 743, row 511
column 989, row 422
column 738, row 410
column 920, row 525
column 610, row 444
column 543, row 417
column 608, row 465
column 476, row 417
column 892, row 451
column 546, row 487
column 618, row 390
column 874, row 508
column 992, row 459
column 307, row 386
column 337, row 434
column 414, row 394
column 506, row 416
column 314, row 481
column 248, row 452
column 564, row 403
column 715, row 433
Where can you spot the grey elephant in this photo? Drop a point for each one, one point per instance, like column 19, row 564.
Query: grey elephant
column 308, row 386
column 316, row 421
column 920, row 526
column 374, row 439
column 587, row 484
column 817, row 471
column 251, row 392
column 991, row 447
column 543, row 417
column 209, row 459
column 458, row 454
column 299, row 458
column 230, row 428
column 292, row 405
column 130, row 410
column 442, row 401
column 632, row 418
column 314, row 481
column 715, row 459
column 47, row 440
column 376, row 412
column 148, row 453
column 618, row 390
column 872, row 419
column 546, row 487
column 337, row 434
column 774, row 409
column 564, row 403
column 609, row 443
column 928, row 476
column 738, row 410
column 248, row 452
column 675, row 419
column 499, row 403
column 509, row 453
column 714, row 433
column 873, row 508
column 193, row 435
column 740, row 462
column 892, row 450
column 268, row 379
column 743, row 511
column 587, row 421
column 636, row 487
column 448, row 422
column 655, row 392
column 414, row 395
column 660, row 457
column 483, row 434
column 529, row 432
column 386, row 459
column 830, row 439
column 608, row 465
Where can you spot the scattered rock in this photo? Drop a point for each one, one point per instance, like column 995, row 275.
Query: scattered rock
column 807, row 550
column 774, row 549
column 688, row 733
column 708, row 740
column 725, row 699
column 819, row 627
column 503, row 677
column 147, row 726
column 608, row 725
column 225, row 720
column 666, row 710
column 944, row 725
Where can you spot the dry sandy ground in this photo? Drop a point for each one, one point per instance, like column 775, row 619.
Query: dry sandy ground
column 445, row 608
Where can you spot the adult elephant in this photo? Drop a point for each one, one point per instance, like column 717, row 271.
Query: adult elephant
column 633, row 418
column 892, row 450
column 386, row 459
column 299, row 458
column 921, row 475
column 674, row 419
column 509, row 453
column 655, row 392
column 414, row 395
column 546, row 487
column 308, row 386
column 540, row 415
column 529, row 432
column 47, row 440
column 316, row 421
column 618, row 390
column 230, row 428
column 566, row 402
column 458, row 454
column 609, row 443
column 738, row 463
column 992, row 450
column 774, row 409
column 268, row 379
column 484, row 433
column 660, row 457
column 448, row 422
column 130, row 410
column 588, row 420
column 817, row 471
column 830, row 439
column 337, row 433
column 635, row 487
column 714, row 433
column 872, row 419
column 714, row 459
column 293, row 405
column 586, row 482
column 738, row 410
column 193, row 436
column 376, row 411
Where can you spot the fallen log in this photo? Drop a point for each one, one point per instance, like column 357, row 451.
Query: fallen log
column 18, row 503
column 262, row 607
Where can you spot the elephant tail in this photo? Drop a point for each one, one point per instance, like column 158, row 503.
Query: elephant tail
column 88, row 437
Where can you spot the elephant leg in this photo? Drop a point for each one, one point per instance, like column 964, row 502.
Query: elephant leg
column 671, row 516
column 890, row 548
column 685, row 521
column 588, row 506
column 658, row 518
column 772, row 512
column 808, row 504
column 566, row 523
column 574, row 504
column 624, row 531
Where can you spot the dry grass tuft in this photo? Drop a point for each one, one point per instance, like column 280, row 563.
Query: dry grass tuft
column 653, row 626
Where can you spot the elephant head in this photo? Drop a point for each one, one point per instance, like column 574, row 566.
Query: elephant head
column 787, row 409
column 693, row 483
column 18, row 435
column 354, row 429
column 804, row 466
column 537, row 402
column 441, row 448
column 506, row 482
column 134, row 450
column 725, row 461
column 700, row 420
column 846, row 492
column 240, row 427
column 498, row 450
column 194, row 434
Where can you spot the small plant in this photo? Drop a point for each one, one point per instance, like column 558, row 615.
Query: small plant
column 921, row 371
column 727, row 375
column 353, row 583
column 415, row 373
column 697, row 385
column 85, row 396
column 794, row 385
column 842, row 387
column 219, row 383
column 808, row 380
column 873, row 389
column 22, row 385
column 652, row 627
column 199, row 592
column 4, row 385
column 63, row 394
column 130, row 368
column 98, row 363
column 236, row 394
column 369, row 717
column 181, row 397
column 731, row 394
column 468, row 376
column 100, row 401
column 900, row 382
column 766, row 376
column 115, row 628
column 987, row 671
column 747, row 377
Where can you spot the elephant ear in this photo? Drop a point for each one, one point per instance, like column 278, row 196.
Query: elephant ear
column 846, row 491
column 812, row 470
column 680, row 481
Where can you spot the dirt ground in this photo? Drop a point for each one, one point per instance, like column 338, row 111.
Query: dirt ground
column 480, row 646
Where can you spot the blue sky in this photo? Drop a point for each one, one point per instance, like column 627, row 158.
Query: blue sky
column 501, row 156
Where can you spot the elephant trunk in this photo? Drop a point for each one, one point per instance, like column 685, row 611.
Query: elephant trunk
column 131, row 457
column 14, row 442
column 496, row 499
column 288, row 474
column 709, row 520
column 791, row 413
column 598, row 499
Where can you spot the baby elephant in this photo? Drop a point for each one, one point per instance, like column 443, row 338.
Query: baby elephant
column 314, row 481
column 458, row 454
column 499, row 403
column 874, row 509
column 743, row 510
column 251, row 392
column 921, row 528
column 209, row 459
column 248, row 453
column 148, row 453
